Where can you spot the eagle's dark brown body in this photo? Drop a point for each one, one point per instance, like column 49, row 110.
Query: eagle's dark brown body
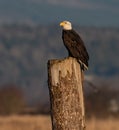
column 75, row 47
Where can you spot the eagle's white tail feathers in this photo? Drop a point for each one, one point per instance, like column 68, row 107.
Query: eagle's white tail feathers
column 82, row 64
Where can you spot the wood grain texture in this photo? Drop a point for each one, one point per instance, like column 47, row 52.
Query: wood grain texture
column 66, row 94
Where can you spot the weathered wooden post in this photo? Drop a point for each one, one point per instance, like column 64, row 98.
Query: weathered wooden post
column 66, row 94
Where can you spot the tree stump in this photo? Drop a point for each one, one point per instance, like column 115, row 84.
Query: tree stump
column 66, row 94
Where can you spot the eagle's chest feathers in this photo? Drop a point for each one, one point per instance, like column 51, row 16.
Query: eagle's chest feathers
column 68, row 38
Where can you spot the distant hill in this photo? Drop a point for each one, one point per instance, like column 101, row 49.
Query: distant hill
column 25, row 50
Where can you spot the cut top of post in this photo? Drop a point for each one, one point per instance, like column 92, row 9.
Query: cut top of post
column 64, row 67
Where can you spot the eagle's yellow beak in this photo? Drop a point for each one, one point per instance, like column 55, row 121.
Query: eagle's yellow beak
column 62, row 24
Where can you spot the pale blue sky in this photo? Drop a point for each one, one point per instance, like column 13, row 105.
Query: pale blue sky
column 83, row 12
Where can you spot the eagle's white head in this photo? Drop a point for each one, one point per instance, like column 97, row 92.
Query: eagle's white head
column 66, row 25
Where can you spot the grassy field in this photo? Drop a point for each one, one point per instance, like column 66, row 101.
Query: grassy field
column 44, row 123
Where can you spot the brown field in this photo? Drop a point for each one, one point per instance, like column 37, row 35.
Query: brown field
column 44, row 123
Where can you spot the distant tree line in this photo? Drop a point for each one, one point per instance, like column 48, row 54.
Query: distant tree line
column 11, row 100
column 103, row 103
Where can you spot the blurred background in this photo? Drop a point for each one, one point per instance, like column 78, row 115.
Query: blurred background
column 30, row 35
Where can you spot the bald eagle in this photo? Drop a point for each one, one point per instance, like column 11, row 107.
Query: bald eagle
column 74, row 44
